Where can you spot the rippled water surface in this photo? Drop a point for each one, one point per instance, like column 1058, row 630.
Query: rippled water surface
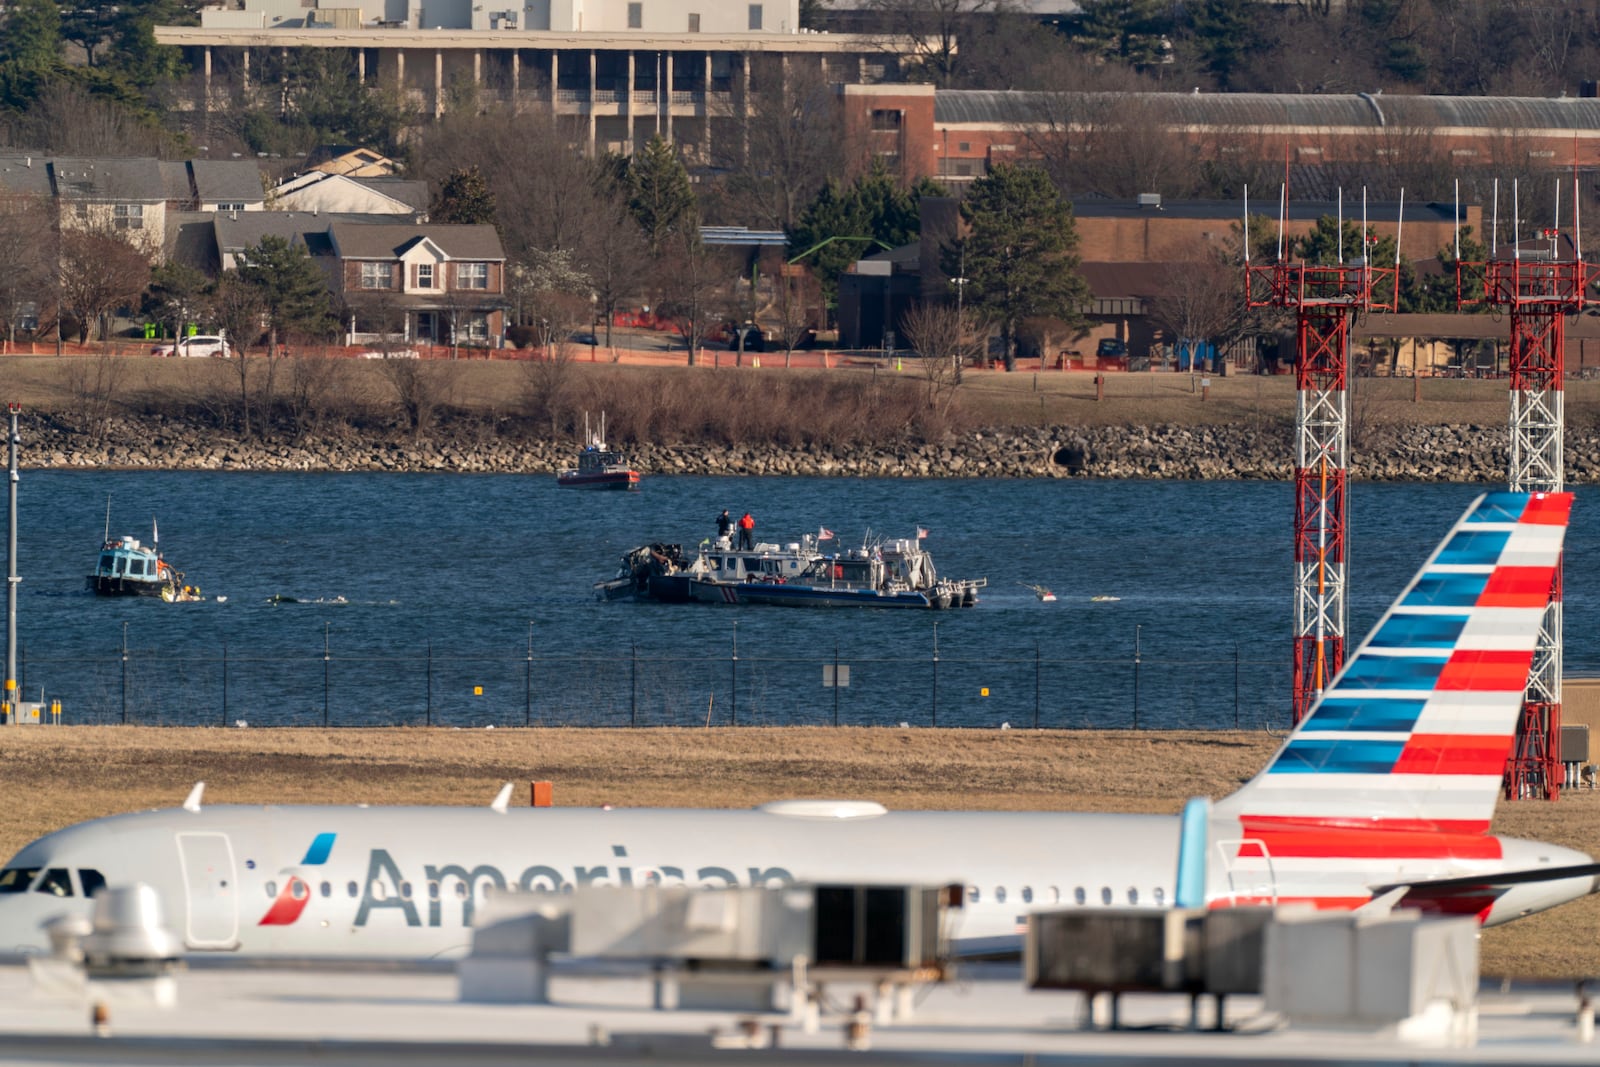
column 467, row 600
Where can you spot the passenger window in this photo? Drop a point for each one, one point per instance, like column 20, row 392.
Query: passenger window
column 1161, row 895
column 461, row 890
column 17, row 879
column 136, row 567
column 272, row 890
column 381, row 891
column 297, row 889
column 1027, row 894
column 91, row 881
column 999, row 894
column 327, row 889
column 1105, row 894
column 1079, row 896
column 1133, row 895
column 56, row 882
column 354, row 890
column 972, row 894
column 433, row 890
column 1055, row 895
column 405, row 890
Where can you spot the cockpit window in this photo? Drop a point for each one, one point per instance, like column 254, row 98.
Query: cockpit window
column 56, row 881
column 91, row 881
column 17, row 879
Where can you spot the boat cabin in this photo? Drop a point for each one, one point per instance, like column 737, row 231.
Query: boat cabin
column 126, row 558
column 766, row 562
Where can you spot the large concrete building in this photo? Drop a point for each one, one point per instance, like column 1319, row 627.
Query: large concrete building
column 619, row 70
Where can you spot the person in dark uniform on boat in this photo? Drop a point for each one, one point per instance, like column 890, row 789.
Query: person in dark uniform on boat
column 747, row 531
column 724, row 526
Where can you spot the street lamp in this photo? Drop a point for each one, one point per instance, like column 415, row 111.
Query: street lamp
column 961, row 321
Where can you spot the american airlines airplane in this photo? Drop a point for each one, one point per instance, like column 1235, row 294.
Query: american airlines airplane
column 1382, row 797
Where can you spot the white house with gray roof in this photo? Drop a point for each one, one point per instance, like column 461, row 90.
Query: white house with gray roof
column 320, row 191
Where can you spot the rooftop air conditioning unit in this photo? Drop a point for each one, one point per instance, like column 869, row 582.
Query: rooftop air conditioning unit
column 1150, row 200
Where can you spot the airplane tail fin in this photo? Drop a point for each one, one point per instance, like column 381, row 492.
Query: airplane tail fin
column 1413, row 733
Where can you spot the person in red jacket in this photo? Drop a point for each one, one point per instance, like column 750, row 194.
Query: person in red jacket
column 747, row 531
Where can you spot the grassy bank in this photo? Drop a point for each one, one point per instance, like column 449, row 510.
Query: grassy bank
column 849, row 404
column 58, row 776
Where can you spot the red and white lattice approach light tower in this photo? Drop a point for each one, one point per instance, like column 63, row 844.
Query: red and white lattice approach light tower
column 1324, row 299
column 1538, row 286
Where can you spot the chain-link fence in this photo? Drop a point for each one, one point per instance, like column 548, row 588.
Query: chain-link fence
column 622, row 686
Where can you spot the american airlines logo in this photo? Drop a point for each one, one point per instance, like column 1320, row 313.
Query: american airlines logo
column 380, row 890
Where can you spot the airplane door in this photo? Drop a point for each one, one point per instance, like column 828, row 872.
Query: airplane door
column 1247, row 864
column 211, row 892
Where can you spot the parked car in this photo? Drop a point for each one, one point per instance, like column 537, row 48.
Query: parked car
column 1110, row 346
column 198, row 345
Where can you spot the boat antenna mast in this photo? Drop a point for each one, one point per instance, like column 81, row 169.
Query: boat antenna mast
column 155, row 537
column 108, row 517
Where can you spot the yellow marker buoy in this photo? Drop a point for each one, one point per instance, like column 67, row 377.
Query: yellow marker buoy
column 477, row 690
column 984, row 691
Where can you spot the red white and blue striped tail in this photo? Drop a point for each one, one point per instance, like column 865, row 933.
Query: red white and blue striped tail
column 1414, row 732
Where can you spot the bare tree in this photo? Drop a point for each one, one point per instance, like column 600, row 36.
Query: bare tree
column 934, row 30
column 238, row 309
column 312, row 384
column 95, row 382
column 612, row 254
column 69, row 121
column 945, row 338
column 693, row 277
column 1200, row 296
column 796, row 295
column 546, row 192
column 790, row 138
column 422, row 387
column 27, row 241
column 100, row 273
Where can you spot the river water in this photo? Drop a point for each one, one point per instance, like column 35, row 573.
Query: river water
column 466, row 600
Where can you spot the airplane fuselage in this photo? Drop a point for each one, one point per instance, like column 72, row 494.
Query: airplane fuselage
column 357, row 882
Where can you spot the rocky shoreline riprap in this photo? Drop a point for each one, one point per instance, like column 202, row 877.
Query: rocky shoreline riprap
column 1387, row 453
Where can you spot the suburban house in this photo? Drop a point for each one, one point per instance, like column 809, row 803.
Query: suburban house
column 139, row 199
column 213, row 185
column 317, row 190
column 422, row 284
column 352, row 161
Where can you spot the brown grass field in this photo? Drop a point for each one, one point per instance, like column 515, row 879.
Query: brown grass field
column 56, row 776
column 986, row 398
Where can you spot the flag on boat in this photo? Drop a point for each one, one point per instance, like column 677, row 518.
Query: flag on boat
column 824, row 534
column 921, row 533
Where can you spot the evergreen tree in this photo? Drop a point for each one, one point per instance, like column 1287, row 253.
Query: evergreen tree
column 1228, row 33
column 30, row 51
column 846, row 222
column 1323, row 246
column 1128, row 31
column 464, row 198
column 659, row 195
column 1019, row 253
column 89, row 26
column 134, row 53
column 293, row 289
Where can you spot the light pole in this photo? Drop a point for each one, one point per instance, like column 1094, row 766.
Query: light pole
column 961, row 322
